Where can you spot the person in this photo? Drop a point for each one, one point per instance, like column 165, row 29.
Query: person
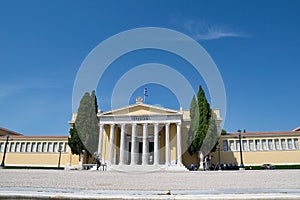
column 98, row 162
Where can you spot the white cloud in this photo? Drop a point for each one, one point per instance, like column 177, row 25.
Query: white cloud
column 201, row 30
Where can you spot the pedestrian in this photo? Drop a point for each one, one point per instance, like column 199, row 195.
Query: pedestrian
column 98, row 162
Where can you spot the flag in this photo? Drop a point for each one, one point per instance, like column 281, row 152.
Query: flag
column 145, row 92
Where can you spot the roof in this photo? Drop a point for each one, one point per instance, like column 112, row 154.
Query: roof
column 267, row 134
column 4, row 131
column 35, row 137
column 139, row 105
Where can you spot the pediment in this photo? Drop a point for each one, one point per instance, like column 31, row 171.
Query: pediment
column 140, row 109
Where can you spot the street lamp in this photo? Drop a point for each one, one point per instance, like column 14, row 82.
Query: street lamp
column 59, row 150
column 241, row 151
column 4, row 153
column 219, row 157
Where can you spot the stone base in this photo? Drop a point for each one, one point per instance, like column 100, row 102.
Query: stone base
column 145, row 168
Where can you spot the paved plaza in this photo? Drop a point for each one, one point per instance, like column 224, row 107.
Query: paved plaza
column 155, row 185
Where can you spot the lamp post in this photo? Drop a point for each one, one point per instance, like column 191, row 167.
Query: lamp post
column 59, row 150
column 4, row 153
column 241, row 151
column 219, row 158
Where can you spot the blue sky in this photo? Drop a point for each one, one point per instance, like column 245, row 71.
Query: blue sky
column 255, row 45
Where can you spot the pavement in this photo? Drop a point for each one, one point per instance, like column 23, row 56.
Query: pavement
column 59, row 184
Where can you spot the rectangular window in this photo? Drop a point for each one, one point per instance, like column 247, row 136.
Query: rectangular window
column 264, row 145
column 28, row 147
column 39, row 147
column 270, row 144
column 66, row 147
column 245, row 147
column 251, row 146
column 12, row 147
column 225, row 145
column 283, row 145
column 33, row 147
column 231, row 143
column 237, row 142
column 1, row 147
column 60, row 146
column 296, row 143
column 44, row 148
column 277, row 144
column 257, row 145
column 50, row 147
column 18, row 147
column 22, row 147
column 290, row 144
column 55, row 149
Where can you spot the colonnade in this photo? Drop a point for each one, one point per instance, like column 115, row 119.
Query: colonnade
column 145, row 143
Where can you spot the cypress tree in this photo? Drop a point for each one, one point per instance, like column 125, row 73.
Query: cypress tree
column 87, row 123
column 201, row 124
column 194, row 116
column 74, row 142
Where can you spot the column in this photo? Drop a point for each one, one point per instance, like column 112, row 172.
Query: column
column 179, row 152
column 145, row 145
column 167, row 132
column 122, row 145
column 111, row 144
column 156, row 145
column 133, row 145
column 100, row 141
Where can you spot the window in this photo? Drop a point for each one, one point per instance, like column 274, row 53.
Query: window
column 12, row 147
column 277, row 144
column 55, row 149
column 50, row 147
column 33, row 147
column 296, row 143
column 39, row 147
column 264, row 145
column 237, row 142
column 22, row 147
column 231, row 144
column 60, row 148
column 245, row 147
column 225, row 145
column 1, row 147
column 290, row 144
column 270, row 144
column 251, row 146
column 44, row 148
column 28, row 147
column 18, row 147
column 66, row 147
column 257, row 145
column 283, row 145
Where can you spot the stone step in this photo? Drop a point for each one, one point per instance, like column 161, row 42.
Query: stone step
column 145, row 168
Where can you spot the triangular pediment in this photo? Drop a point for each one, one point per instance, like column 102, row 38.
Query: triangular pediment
column 140, row 109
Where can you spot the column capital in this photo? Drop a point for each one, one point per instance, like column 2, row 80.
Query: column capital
column 133, row 124
column 112, row 124
column 156, row 123
column 167, row 123
column 101, row 125
column 178, row 123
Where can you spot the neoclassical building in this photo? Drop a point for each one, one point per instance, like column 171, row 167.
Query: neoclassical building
column 143, row 134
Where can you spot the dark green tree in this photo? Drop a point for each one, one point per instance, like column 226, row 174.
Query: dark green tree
column 194, row 116
column 203, row 123
column 94, row 101
column 87, row 123
column 74, row 142
column 212, row 136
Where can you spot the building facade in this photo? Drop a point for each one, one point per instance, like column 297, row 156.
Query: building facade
column 277, row 148
column 143, row 134
column 35, row 151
